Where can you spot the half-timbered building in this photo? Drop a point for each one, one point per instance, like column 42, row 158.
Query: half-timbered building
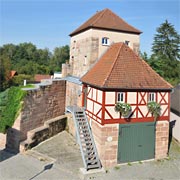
column 121, row 76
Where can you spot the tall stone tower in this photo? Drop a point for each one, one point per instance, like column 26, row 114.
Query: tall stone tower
column 91, row 40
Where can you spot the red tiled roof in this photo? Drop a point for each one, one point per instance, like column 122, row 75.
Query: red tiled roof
column 121, row 68
column 39, row 77
column 13, row 73
column 106, row 19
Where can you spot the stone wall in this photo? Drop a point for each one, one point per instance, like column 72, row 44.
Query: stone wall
column 106, row 139
column 73, row 94
column 83, row 54
column 50, row 128
column 40, row 105
column 70, row 125
column 162, row 139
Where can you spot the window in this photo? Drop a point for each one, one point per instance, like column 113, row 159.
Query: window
column 74, row 45
column 151, row 97
column 120, row 97
column 126, row 42
column 85, row 60
column 105, row 41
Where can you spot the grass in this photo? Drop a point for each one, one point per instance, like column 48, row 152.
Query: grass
column 28, row 86
column 129, row 164
column 117, row 167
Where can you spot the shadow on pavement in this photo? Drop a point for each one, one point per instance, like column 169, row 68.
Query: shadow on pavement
column 5, row 154
column 47, row 167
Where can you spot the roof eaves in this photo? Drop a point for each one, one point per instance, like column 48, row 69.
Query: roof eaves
column 126, row 88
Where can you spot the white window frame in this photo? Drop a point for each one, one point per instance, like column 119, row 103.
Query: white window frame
column 152, row 97
column 120, row 97
column 105, row 41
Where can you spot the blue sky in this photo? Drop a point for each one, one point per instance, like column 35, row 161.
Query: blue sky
column 48, row 23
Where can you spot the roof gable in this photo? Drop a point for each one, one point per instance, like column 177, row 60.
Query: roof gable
column 108, row 20
column 121, row 68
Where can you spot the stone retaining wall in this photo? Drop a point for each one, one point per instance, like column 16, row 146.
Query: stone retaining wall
column 40, row 105
column 50, row 128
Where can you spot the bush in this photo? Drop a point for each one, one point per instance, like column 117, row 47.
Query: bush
column 19, row 80
column 123, row 108
column 155, row 109
column 10, row 105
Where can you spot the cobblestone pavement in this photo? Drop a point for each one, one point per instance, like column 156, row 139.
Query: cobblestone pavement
column 59, row 158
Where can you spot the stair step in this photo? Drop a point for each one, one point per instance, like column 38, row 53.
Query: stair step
column 86, row 142
column 94, row 166
column 92, row 161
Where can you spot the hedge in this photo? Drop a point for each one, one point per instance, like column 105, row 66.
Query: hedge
column 10, row 106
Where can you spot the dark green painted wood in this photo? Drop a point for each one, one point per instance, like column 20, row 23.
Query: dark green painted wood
column 136, row 142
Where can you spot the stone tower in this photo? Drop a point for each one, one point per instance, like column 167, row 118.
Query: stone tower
column 90, row 41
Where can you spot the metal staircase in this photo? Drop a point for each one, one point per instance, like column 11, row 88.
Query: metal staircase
column 85, row 138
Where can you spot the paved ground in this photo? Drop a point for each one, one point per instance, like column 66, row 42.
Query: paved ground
column 59, row 159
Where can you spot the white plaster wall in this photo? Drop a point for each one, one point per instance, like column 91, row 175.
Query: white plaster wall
column 144, row 111
column 176, row 128
column 97, row 107
column 113, row 38
column 110, row 98
column 89, row 105
column 111, row 110
column 163, row 108
column 140, row 97
column 94, row 94
column 99, row 96
column 89, row 91
column 159, row 97
column 131, row 97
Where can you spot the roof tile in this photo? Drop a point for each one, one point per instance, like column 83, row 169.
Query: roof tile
column 106, row 19
column 121, row 68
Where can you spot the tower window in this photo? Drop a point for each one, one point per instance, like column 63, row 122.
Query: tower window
column 127, row 43
column 85, row 60
column 105, row 41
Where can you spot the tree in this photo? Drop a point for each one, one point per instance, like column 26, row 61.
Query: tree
column 167, row 41
column 61, row 54
column 144, row 56
column 5, row 72
column 165, row 57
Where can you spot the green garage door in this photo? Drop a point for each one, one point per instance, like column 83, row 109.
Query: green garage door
column 136, row 142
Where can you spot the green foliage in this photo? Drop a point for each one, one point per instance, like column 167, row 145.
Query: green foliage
column 10, row 105
column 155, row 109
column 60, row 56
column 167, row 41
column 165, row 57
column 19, row 80
column 166, row 68
column 26, row 59
column 28, row 86
column 123, row 108
column 4, row 72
